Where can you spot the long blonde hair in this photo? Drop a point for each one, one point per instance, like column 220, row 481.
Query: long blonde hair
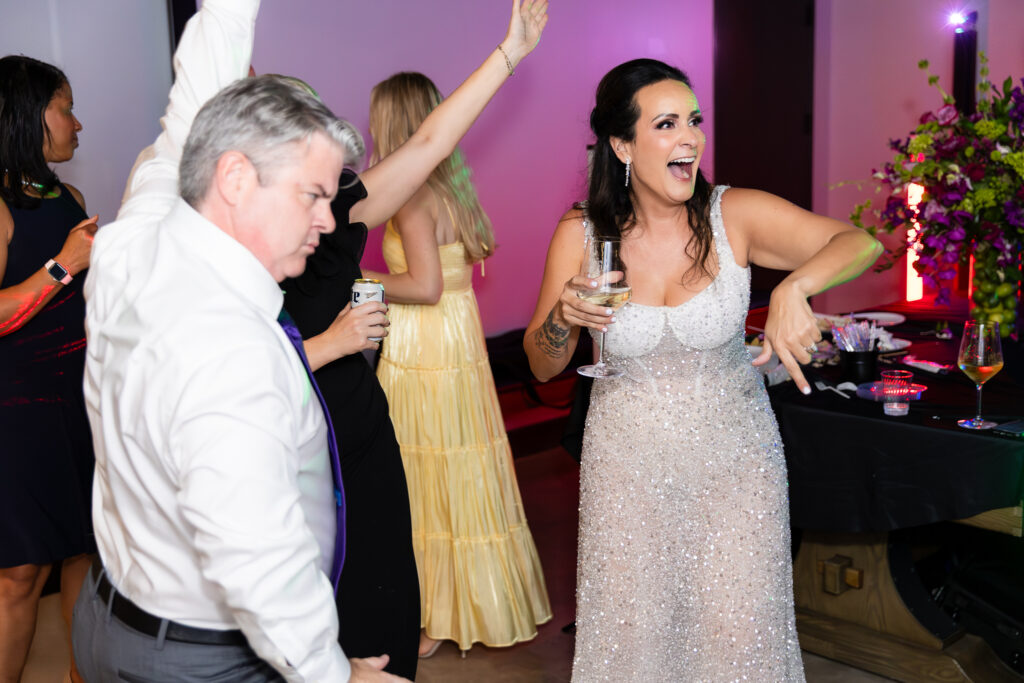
column 398, row 106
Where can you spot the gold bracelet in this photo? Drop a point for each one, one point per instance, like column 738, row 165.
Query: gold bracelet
column 508, row 62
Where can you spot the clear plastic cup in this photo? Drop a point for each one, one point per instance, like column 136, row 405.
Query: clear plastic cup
column 895, row 387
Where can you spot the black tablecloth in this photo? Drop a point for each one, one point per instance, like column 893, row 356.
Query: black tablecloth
column 854, row 469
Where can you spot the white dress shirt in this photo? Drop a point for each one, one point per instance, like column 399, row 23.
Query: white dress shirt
column 213, row 498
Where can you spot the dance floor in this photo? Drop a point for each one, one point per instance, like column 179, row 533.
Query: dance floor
column 548, row 481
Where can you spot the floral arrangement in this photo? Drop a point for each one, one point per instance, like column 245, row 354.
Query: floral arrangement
column 972, row 172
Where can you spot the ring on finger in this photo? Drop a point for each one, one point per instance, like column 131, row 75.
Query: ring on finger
column 811, row 349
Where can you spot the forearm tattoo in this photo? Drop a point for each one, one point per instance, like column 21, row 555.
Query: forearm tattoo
column 551, row 338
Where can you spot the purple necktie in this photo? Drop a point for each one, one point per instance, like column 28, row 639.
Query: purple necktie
column 295, row 338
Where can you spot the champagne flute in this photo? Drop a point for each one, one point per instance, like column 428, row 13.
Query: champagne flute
column 602, row 263
column 981, row 357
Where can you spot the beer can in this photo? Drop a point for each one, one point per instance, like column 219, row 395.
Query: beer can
column 367, row 289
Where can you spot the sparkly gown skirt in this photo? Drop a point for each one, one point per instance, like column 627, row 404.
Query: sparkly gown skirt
column 480, row 575
column 685, row 571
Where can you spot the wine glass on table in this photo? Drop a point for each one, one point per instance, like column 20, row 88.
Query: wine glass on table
column 602, row 263
column 981, row 357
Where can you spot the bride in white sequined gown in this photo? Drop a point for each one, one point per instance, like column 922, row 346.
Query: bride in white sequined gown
column 685, row 571
column 684, row 551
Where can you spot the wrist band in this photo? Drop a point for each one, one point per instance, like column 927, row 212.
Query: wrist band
column 508, row 62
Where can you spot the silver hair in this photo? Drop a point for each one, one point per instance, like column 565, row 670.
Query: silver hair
column 259, row 117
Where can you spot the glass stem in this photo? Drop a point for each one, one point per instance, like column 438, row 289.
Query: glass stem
column 978, row 418
column 600, row 357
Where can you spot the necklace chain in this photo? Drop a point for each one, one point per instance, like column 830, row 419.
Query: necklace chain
column 39, row 187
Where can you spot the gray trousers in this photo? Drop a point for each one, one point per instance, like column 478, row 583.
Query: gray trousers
column 106, row 650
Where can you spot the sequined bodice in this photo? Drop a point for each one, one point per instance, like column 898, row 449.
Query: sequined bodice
column 705, row 331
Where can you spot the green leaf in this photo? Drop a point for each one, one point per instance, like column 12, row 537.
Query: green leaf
column 932, row 80
column 923, row 64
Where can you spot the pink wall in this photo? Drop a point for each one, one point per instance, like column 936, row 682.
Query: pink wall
column 1005, row 40
column 527, row 150
column 868, row 89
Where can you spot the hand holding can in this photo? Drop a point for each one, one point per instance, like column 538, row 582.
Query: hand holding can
column 365, row 290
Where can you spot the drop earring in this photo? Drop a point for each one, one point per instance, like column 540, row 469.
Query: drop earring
column 627, row 173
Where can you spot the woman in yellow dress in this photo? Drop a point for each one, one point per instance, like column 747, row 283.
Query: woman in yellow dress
column 480, row 577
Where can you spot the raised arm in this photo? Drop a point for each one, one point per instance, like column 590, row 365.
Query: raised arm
column 391, row 182
column 820, row 252
column 215, row 50
column 554, row 330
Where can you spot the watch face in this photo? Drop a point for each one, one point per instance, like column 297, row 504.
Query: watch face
column 57, row 271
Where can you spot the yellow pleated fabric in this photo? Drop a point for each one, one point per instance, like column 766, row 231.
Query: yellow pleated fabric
column 480, row 576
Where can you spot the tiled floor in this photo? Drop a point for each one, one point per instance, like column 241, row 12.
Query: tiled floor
column 548, row 481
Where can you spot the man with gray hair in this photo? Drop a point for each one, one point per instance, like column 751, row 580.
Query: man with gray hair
column 218, row 503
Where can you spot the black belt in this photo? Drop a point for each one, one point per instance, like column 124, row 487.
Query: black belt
column 148, row 624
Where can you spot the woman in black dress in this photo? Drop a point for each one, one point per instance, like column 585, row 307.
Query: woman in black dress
column 378, row 598
column 46, row 458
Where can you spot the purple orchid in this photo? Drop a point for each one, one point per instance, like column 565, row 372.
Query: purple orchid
column 932, row 211
column 948, row 115
column 1014, row 213
column 1016, row 111
column 896, row 211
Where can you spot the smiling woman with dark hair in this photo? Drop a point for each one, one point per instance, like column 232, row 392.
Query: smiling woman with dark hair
column 46, row 463
column 684, row 567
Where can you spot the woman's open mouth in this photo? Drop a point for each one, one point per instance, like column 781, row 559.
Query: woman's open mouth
column 682, row 168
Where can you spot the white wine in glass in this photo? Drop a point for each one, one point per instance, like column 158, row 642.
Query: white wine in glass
column 980, row 358
column 613, row 297
column 602, row 263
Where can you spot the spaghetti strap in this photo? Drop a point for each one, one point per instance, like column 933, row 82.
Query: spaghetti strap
column 451, row 217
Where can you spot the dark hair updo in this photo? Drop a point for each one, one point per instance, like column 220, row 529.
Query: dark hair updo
column 26, row 87
column 615, row 113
